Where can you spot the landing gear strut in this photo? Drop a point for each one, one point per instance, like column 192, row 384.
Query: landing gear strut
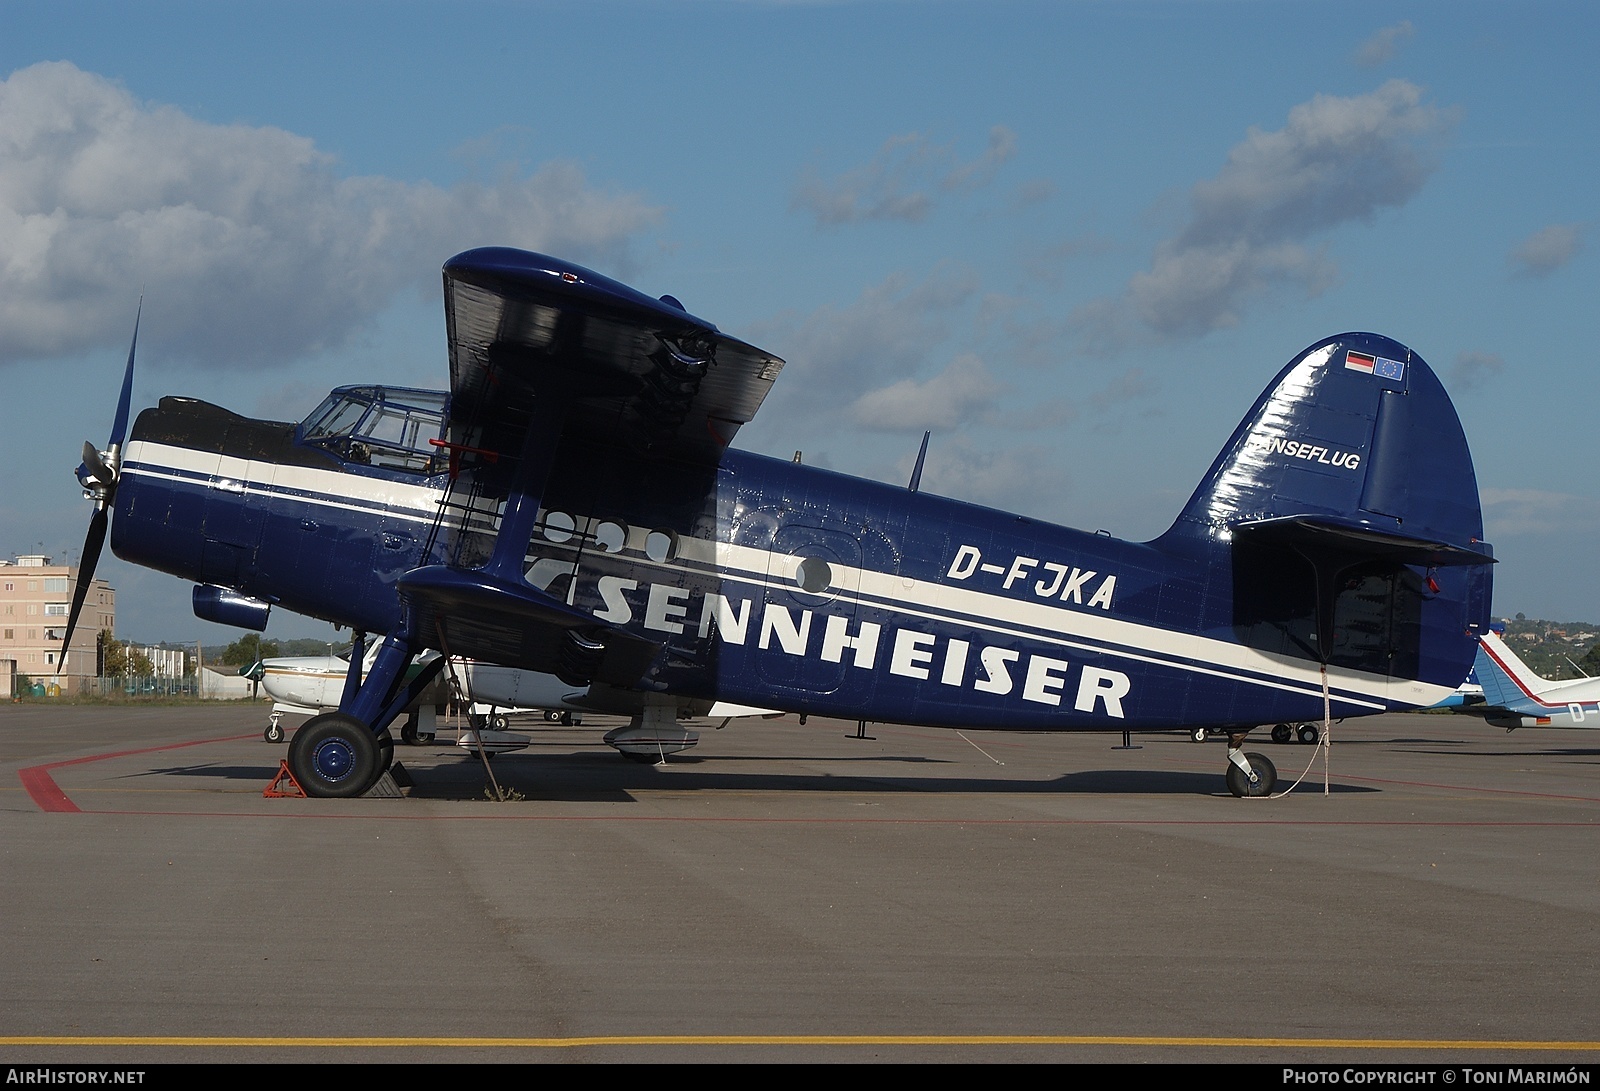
column 1249, row 775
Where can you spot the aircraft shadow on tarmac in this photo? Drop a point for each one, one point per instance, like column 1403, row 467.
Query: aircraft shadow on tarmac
column 1569, row 752
column 262, row 773
column 592, row 777
column 588, row 777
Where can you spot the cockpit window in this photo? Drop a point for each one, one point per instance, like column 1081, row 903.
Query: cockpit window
column 384, row 426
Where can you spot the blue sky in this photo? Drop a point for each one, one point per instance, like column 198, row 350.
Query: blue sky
column 1074, row 239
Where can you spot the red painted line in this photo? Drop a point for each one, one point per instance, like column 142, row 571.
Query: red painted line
column 47, row 794
column 44, row 791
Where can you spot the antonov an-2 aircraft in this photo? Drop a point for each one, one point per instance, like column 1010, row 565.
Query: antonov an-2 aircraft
column 572, row 506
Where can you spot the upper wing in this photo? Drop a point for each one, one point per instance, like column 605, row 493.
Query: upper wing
column 625, row 368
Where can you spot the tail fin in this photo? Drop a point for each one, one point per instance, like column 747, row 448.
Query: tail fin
column 1348, row 508
column 1355, row 432
column 1507, row 681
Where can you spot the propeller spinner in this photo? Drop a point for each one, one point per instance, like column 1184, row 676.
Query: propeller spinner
column 98, row 474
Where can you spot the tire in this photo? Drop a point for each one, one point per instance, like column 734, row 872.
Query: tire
column 273, row 733
column 1281, row 733
column 552, row 716
column 1309, row 733
column 385, row 753
column 1197, row 735
column 499, row 721
column 334, row 756
column 1266, row 777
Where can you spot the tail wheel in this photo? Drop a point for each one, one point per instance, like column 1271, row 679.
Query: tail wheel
column 334, row 756
column 1266, row 777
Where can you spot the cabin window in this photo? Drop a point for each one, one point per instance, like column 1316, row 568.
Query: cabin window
column 661, row 545
column 813, row 575
column 380, row 426
column 610, row 537
column 558, row 527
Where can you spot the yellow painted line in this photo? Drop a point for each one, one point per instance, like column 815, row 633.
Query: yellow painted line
column 806, row 1040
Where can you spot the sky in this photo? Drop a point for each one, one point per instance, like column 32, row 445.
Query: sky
column 1074, row 240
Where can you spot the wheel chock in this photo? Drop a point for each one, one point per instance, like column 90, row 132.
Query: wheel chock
column 278, row 790
column 383, row 788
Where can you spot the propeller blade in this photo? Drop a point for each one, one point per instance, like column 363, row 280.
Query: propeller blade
column 92, row 544
column 96, row 465
column 119, row 427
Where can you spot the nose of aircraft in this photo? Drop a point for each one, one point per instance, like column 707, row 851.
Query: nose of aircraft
column 98, row 473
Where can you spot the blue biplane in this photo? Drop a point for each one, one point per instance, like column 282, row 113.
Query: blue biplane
column 572, row 506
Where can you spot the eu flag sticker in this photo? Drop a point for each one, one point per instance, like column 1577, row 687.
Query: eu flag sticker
column 1389, row 369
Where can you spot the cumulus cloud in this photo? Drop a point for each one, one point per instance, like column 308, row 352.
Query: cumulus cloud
column 247, row 241
column 1473, row 369
column 1382, row 46
column 1547, row 250
column 1337, row 160
column 1027, row 478
column 837, row 353
column 962, row 391
column 903, row 180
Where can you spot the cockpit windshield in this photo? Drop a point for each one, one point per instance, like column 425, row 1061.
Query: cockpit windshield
column 386, row 426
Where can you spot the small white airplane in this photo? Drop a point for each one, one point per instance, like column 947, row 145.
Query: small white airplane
column 307, row 685
column 1516, row 697
column 311, row 685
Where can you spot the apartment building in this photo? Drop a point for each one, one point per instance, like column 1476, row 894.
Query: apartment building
column 35, row 598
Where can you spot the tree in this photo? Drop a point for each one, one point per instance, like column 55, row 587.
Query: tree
column 247, row 649
column 114, row 661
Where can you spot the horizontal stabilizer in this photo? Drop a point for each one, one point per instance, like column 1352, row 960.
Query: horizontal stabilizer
column 1351, row 536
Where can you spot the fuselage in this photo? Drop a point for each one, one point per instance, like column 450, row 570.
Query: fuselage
column 783, row 586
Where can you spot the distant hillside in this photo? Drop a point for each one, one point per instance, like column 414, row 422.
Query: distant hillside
column 1547, row 646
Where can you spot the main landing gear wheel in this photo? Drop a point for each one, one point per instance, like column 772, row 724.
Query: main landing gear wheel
column 1281, row 733
column 1309, row 733
column 334, row 756
column 1197, row 735
column 1266, row 777
column 500, row 721
column 552, row 715
column 411, row 737
column 273, row 733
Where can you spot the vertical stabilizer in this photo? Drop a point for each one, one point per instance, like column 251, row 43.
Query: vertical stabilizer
column 1507, row 681
column 1356, row 431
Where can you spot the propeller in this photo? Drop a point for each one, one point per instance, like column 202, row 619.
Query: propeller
column 98, row 474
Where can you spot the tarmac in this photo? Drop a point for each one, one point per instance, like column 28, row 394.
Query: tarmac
column 788, row 892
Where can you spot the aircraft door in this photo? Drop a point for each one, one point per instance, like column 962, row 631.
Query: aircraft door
column 1378, row 622
column 813, row 581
